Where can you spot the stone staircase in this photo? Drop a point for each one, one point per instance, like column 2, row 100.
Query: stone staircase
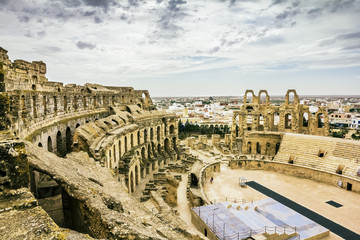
column 322, row 153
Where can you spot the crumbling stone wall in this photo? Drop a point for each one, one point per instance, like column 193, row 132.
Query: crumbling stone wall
column 259, row 115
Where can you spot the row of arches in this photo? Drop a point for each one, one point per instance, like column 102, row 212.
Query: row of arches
column 148, row 160
column 265, row 148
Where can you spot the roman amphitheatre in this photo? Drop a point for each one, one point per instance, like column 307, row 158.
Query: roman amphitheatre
column 101, row 162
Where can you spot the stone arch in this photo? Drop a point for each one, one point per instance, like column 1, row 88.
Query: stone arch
column 249, row 147
column 138, row 137
column 172, row 129
column 246, row 98
column 149, row 151
column 165, row 125
column 320, row 120
column 59, row 145
column 295, row 97
column 132, row 140
column 132, row 189
column 167, row 144
column 34, row 106
column 276, row 119
column 65, row 104
column 151, row 134
column 267, row 97
column 75, row 103
column 125, row 144
column 143, row 153
column 145, row 135
column 136, row 175
column 258, row 148
column 49, row 144
column 68, row 140
column 94, row 101
column 268, row 147
column 40, row 144
column 158, row 133
column 84, row 102
column 159, row 148
column 305, row 119
column 277, row 147
column 104, row 101
column 77, row 125
column 288, row 120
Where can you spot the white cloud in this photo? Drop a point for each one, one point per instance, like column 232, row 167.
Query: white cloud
column 113, row 41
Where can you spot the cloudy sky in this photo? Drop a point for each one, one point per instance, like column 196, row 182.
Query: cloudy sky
column 193, row 47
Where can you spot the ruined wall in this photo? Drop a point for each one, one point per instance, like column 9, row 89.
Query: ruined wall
column 259, row 115
column 298, row 171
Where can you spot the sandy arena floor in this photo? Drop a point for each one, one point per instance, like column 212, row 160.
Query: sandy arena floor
column 308, row 193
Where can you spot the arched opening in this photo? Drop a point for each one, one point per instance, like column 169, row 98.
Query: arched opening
column 263, row 97
column 68, row 140
column 128, row 109
column 125, row 143
column 136, row 175
column 305, row 120
column 167, row 145
column 77, row 125
column 267, row 152
column 104, row 101
column 158, row 133
column 291, row 97
column 145, row 135
column 33, row 87
column 277, row 147
column 194, row 183
column 276, row 119
column 288, row 121
column 261, row 123
column 258, row 148
column 132, row 182
column 49, row 144
column 320, row 120
column 205, row 232
column 138, row 137
column 159, row 148
column 151, row 134
column 172, row 129
column 249, row 147
column 153, row 166
column 40, row 144
column 59, row 145
column 84, row 102
column 132, row 140
column 143, row 155
column 65, row 103
column 149, row 152
column 34, row 106
column 248, row 98
column 165, row 126
column 139, row 105
column 94, row 101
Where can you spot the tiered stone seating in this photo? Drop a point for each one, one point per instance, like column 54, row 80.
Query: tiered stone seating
column 304, row 150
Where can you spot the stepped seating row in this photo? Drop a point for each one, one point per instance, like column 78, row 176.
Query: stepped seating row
column 322, row 153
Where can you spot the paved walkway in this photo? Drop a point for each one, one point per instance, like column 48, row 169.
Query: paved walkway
column 325, row 222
